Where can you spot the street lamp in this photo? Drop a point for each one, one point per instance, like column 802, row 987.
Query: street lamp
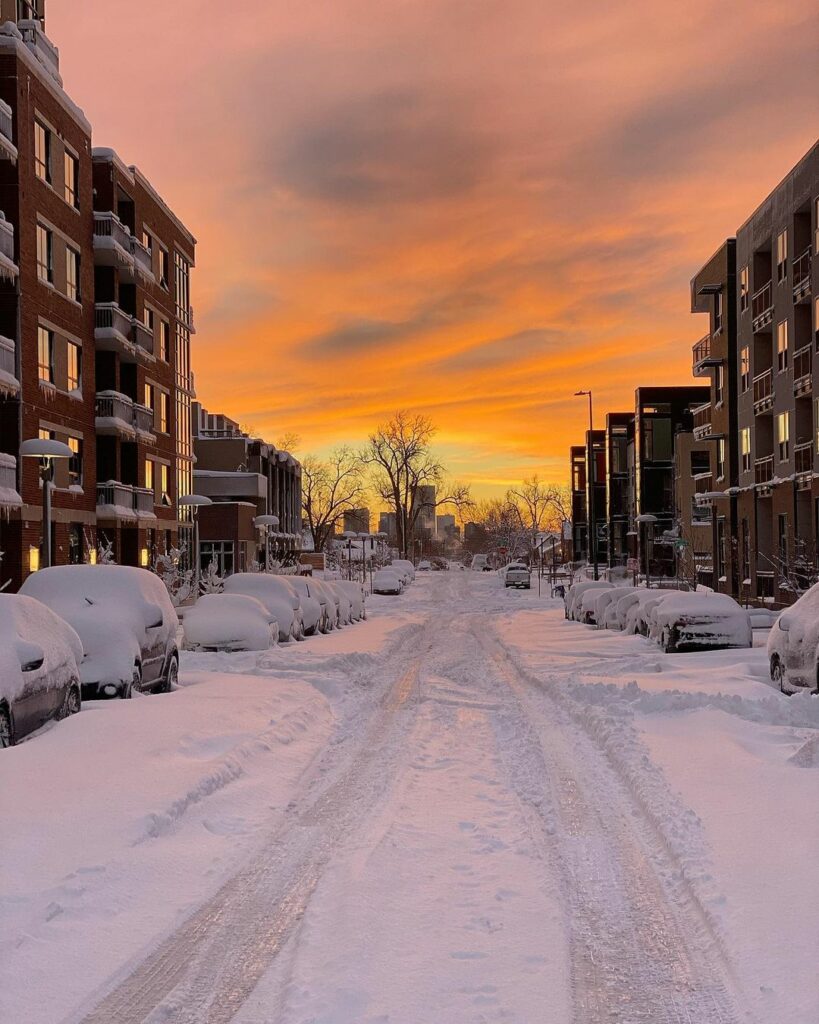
column 647, row 519
column 348, row 536
column 195, row 502
column 46, row 451
column 268, row 524
column 592, row 519
column 364, row 538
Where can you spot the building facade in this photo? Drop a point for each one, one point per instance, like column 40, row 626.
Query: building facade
column 357, row 520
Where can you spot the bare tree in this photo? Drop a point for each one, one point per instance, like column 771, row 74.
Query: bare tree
column 329, row 488
column 539, row 508
column 502, row 526
column 401, row 462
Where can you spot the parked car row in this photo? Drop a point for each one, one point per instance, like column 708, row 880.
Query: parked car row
column 79, row 632
column 676, row 620
column 394, row 577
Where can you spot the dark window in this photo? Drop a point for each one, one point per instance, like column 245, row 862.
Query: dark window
column 75, row 544
column 657, row 442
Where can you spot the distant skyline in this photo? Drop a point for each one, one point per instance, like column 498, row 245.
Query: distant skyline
column 470, row 208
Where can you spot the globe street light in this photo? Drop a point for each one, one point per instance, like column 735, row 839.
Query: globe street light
column 268, row 524
column 195, row 502
column 46, row 451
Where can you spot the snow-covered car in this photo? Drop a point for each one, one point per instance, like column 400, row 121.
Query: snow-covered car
column 404, row 568
column 124, row 619
column 345, row 610
column 357, row 597
column 700, row 622
column 638, row 617
column 605, row 607
column 585, row 607
column 312, row 608
column 229, row 622
column 793, row 645
column 387, row 582
column 276, row 594
column 617, row 612
column 40, row 657
column 517, row 575
column 576, row 591
column 424, row 566
column 330, row 600
column 480, row 563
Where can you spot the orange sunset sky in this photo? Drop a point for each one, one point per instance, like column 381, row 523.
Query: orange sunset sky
column 470, row 208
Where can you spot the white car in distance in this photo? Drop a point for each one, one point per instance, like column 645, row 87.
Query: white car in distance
column 276, row 594
column 385, row 581
column 229, row 622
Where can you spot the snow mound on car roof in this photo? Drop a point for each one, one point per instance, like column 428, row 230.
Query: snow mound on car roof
column 28, row 631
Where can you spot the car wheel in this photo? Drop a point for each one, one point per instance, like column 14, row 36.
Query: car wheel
column 778, row 674
column 171, row 676
column 72, row 703
column 6, row 729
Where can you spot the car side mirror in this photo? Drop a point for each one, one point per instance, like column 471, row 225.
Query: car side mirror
column 153, row 617
column 32, row 666
column 31, row 656
column 784, row 622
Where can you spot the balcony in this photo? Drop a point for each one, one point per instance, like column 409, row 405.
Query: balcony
column 702, row 421
column 803, row 459
column 9, row 384
column 9, row 498
column 8, row 268
column 763, row 392
column 801, row 276
column 763, row 471
column 702, row 358
column 112, row 242
column 117, row 415
column 41, row 46
column 122, row 501
column 143, row 337
column 143, row 260
column 762, row 307
column 112, row 329
column 8, row 151
column 802, row 377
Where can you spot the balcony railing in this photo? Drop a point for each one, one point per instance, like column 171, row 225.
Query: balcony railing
column 701, row 351
column 114, row 413
column 702, row 420
column 108, row 317
column 122, row 501
column 144, row 419
column 9, row 498
column 143, row 336
column 8, row 150
column 763, row 470
column 803, row 457
column 802, row 364
column 762, row 306
column 801, row 275
column 42, row 47
column 8, row 366
column 112, row 237
column 763, row 390
column 143, row 260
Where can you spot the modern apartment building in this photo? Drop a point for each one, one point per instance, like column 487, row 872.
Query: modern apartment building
column 84, row 357
column 619, row 475
column 580, row 535
column 597, row 535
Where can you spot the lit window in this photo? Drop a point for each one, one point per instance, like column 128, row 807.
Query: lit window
column 720, row 458
column 782, row 255
column 149, row 474
column 45, row 355
column 745, row 368
column 72, row 274
column 718, row 312
column 74, row 361
column 164, row 486
column 148, row 319
column 783, row 434
column 75, row 462
column 164, row 340
column 148, row 240
column 744, row 289
column 163, row 411
column 72, row 195
column 149, row 396
column 745, row 440
column 782, row 346
column 42, row 152
column 719, row 384
column 45, row 254
column 164, row 267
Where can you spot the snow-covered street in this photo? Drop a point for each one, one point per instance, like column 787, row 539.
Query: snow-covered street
column 464, row 809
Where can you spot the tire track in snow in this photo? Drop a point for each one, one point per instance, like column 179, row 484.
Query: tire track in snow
column 642, row 950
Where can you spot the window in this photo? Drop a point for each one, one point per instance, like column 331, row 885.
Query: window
column 45, row 254
column 75, row 462
column 783, row 434
column 72, row 175
column 164, row 484
column 28, row 10
column 718, row 300
column 721, row 458
column 74, row 363
column 164, row 341
column 149, row 396
column 744, row 289
column 72, row 274
column 148, row 240
column 164, row 267
column 579, row 475
column 721, row 549
column 182, row 282
column 148, row 319
column 746, row 552
column 745, row 444
column 149, row 475
column 220, row 552
column 42, row 152
column 45, row 355
column 657, row 446
column 163, row 411
column 782, row 536
column 719, row 384
column 782, row 346
column 75, row 544
column 745, row 368
column 782, row 255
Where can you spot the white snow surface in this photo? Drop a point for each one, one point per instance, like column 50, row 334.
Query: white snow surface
column 464, row 810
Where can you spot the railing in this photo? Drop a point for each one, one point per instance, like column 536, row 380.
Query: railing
column 143, row 419
column 6, row 238
column 38, row 41
column 702, row 483
column 108, row 225
column 113, row 405
column 143, row 500
column 763, row 386
column 802, row 362
column 7, row 356
column 124, row 499
column 142, row 257
column 763, row 470
column 702, row 349
column 109, row 317
column 6, row 124
column 801, row 269
column 8, row 479
column 762, row 301
column 803, row 457
column 143, row 336
column 702, row 415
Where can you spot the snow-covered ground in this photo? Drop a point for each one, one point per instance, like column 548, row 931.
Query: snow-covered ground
column 463, row 810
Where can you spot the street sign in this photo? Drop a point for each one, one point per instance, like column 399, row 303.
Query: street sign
column 502, row 551
column 632, row 565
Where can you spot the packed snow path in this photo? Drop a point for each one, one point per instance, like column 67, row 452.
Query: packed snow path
column 469, row 852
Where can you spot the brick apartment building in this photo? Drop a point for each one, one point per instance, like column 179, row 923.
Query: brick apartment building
column 244, row 477
column 93, row 330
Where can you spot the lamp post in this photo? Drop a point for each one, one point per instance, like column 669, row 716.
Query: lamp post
column 194, row 502
column 364, row 538
column 592, row 519
column 46, row 451
column 268, row 524
column 348, row 536
column 712, row 497
column 647, row 519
